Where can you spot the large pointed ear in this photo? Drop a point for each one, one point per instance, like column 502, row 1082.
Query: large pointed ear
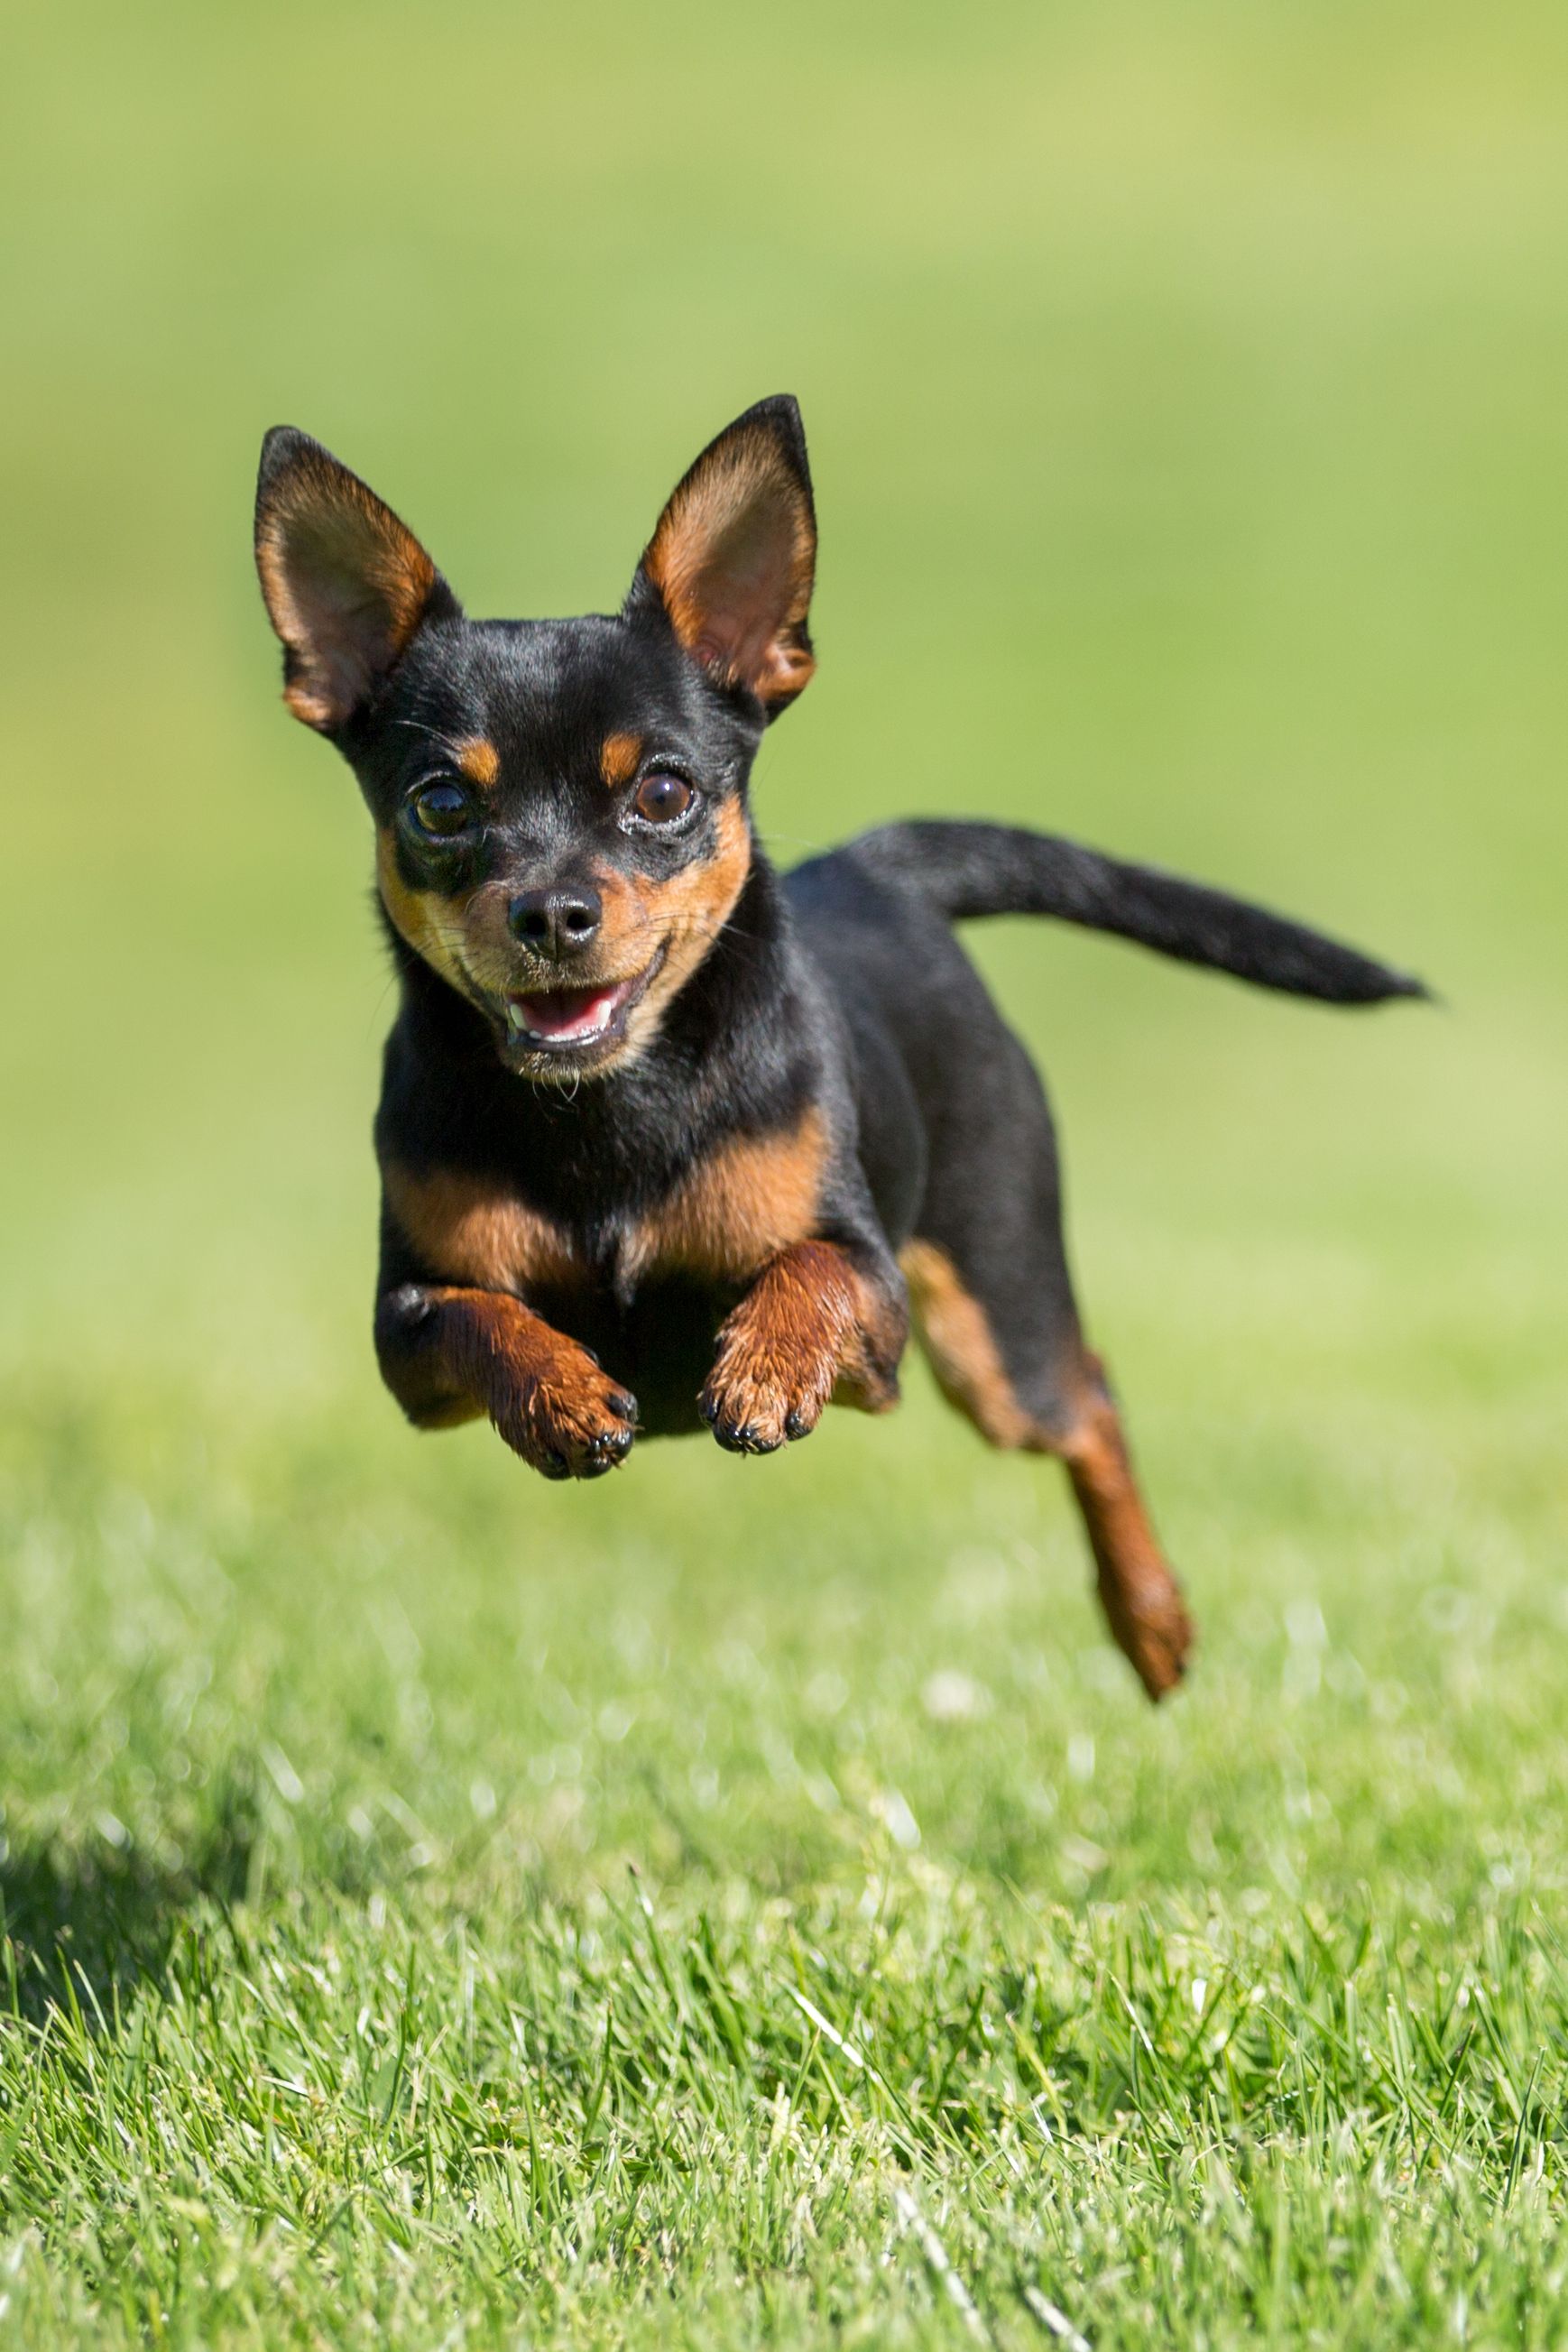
column 346, row 584
column 733, row 558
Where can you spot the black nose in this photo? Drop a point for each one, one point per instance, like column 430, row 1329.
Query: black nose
column 557, row 922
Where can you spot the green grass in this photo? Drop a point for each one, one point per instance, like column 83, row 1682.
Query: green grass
column 749, row 1903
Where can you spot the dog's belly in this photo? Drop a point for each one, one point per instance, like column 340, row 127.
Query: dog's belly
column 660, row 1347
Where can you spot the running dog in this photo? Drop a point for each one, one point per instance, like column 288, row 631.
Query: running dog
column 668, row 1141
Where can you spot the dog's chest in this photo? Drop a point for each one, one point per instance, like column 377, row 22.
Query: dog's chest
column 715, row 1227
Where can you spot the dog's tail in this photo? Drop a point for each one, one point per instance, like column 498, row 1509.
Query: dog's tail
column 963, row 870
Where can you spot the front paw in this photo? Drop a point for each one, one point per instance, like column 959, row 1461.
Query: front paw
column 570, row 1420
column 755, row 1403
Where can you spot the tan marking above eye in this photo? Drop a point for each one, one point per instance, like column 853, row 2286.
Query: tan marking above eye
column 470, row 1229
column 477, row 758
column 620, row 756
column 750, row 1198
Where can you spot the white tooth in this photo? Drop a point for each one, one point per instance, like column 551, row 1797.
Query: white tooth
column 514, row 1018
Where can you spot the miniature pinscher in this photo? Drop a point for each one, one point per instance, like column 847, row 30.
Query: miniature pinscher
column 668, row 1140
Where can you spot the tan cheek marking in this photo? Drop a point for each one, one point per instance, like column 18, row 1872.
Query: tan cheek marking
column 418, row 914
column 962, row 1352
column 686, row 914
column 619, row 759
column 630, row 921
column 693, row 909
column 470, row 1229
column 478, row 759
column 752, row 1198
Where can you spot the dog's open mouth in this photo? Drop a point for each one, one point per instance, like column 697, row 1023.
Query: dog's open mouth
column 574, row 1019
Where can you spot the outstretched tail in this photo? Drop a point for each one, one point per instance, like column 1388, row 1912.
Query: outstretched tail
column 998, row 869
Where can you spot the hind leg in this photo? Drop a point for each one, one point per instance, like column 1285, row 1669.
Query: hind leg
column 1141, row 1600
column 994, row 1308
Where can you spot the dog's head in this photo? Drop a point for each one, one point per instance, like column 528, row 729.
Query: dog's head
column 560, row 805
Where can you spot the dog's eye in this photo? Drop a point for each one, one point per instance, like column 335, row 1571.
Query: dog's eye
column 661, row 798
column 440, row 809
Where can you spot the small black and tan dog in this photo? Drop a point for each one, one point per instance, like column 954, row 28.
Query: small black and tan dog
column 666, row 1140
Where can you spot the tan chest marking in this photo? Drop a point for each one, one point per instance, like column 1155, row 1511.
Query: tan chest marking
column 746, row 1202
column 468, row 1230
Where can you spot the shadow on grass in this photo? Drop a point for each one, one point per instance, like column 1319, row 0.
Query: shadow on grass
column 77, row 1928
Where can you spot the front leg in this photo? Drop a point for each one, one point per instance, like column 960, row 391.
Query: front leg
column 820, row 1320
column 448, row 1355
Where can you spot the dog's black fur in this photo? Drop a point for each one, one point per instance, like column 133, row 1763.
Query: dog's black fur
column 666, row 1140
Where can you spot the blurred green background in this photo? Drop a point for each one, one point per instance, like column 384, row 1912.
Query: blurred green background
column 1187, row 394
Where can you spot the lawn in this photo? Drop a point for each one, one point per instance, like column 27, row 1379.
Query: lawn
column 749, row 1903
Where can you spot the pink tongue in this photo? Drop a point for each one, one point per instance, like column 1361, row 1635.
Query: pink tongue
column 567, row 1011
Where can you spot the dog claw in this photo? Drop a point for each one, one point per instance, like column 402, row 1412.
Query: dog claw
column 745, row 1437
column 573, row 1430
column 750, row 1417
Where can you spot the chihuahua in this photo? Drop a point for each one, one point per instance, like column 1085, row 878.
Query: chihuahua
column 668, row 1140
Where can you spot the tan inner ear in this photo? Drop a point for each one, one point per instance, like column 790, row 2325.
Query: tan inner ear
column 346, row 584
column 732, row 560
